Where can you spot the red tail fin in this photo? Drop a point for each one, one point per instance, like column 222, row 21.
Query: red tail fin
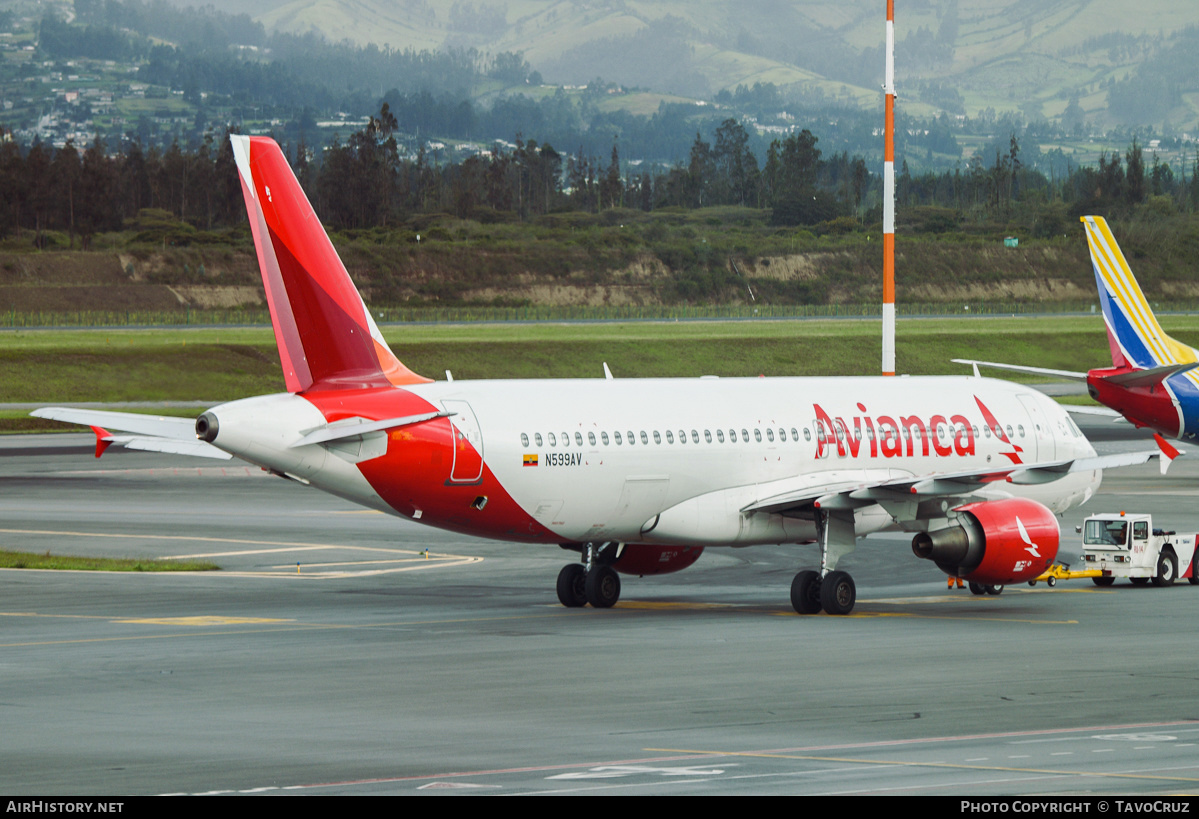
column 326, row 336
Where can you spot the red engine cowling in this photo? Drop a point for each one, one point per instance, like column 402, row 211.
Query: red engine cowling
column 994, row 542
column 643, row 559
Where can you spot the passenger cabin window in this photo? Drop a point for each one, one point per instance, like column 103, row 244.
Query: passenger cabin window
column 616, row 435
column 657, row 437
column 644, row 437
column 669, row 437
column 632, row 440
column 553, row 440
column 604, row 438
column 524, row 439
column 720, row 435
column 758, row 435
column 770, row 434
column 537, row 438
column 591, row 438
column 694, row 436
column 733, row 435
column 745, row 435
column 682, row 436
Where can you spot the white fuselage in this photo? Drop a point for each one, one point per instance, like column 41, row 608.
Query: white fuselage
column 676, row 460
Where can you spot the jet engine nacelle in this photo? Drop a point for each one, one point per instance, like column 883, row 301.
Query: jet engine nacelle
column 994, row 542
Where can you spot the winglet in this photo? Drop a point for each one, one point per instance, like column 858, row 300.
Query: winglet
column 1169, row 452
column 103, row 440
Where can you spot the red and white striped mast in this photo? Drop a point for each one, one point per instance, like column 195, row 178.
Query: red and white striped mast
column 889, row 201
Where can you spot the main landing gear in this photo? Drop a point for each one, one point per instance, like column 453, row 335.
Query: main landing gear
column 589, row 582
column 835, row 592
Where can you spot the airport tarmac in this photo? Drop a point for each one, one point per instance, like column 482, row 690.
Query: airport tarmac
column 399, row 659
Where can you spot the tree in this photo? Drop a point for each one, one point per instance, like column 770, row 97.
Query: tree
column 1134, row 177
column 699, row 172
column 736, row 168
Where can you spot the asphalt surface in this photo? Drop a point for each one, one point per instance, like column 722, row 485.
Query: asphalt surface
column 399, row 659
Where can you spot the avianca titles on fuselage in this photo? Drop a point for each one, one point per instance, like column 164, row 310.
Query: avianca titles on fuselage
column 637, row 475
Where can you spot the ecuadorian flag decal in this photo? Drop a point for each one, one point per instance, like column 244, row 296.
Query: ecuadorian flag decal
column 530, row 459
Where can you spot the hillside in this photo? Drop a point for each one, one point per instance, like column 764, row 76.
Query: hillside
column 1004, row 55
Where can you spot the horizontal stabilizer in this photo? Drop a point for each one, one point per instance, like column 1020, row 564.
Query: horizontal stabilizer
column 1151, row 376
column 174, row 446
column 340, row 431
column 1072, row 376
column 165, row 426
column 153, row 433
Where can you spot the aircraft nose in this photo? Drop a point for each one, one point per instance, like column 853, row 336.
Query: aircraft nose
column 207, row 427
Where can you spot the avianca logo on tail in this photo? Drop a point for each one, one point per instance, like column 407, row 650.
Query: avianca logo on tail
column 874, row 436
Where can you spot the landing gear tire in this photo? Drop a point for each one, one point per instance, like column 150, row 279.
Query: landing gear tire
column 994, row 589
column 977, row 588
column 572, row 586
column 1051, row 582
column 805, row 593
column 602, row 587
column 1103, row 581
column 838, row 593
column 1166, row 571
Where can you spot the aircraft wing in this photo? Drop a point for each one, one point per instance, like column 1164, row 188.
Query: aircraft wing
column 152, row 433
column 1068, row 374
column 950, row 484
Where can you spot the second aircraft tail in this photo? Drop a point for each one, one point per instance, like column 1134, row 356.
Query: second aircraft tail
column 1137, row 340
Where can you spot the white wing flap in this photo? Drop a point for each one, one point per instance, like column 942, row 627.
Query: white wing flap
column 950, row 484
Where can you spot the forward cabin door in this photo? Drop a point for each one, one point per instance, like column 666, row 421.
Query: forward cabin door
column 1043, row 446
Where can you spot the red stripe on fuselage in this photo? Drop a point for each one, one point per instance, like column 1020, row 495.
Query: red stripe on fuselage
column 414, row 474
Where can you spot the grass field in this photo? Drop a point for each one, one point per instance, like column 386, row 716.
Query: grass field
column 221, row 364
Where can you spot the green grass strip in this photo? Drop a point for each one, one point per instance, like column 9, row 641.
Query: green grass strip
column 29, row 560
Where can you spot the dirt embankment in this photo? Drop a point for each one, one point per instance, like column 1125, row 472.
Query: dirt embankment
column 226, row 278
column 75, row 280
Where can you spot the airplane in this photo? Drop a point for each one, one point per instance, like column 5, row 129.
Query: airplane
column 1153, row 381
column 638, row 476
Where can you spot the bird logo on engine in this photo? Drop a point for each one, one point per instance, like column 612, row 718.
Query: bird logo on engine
column 1031, row 548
